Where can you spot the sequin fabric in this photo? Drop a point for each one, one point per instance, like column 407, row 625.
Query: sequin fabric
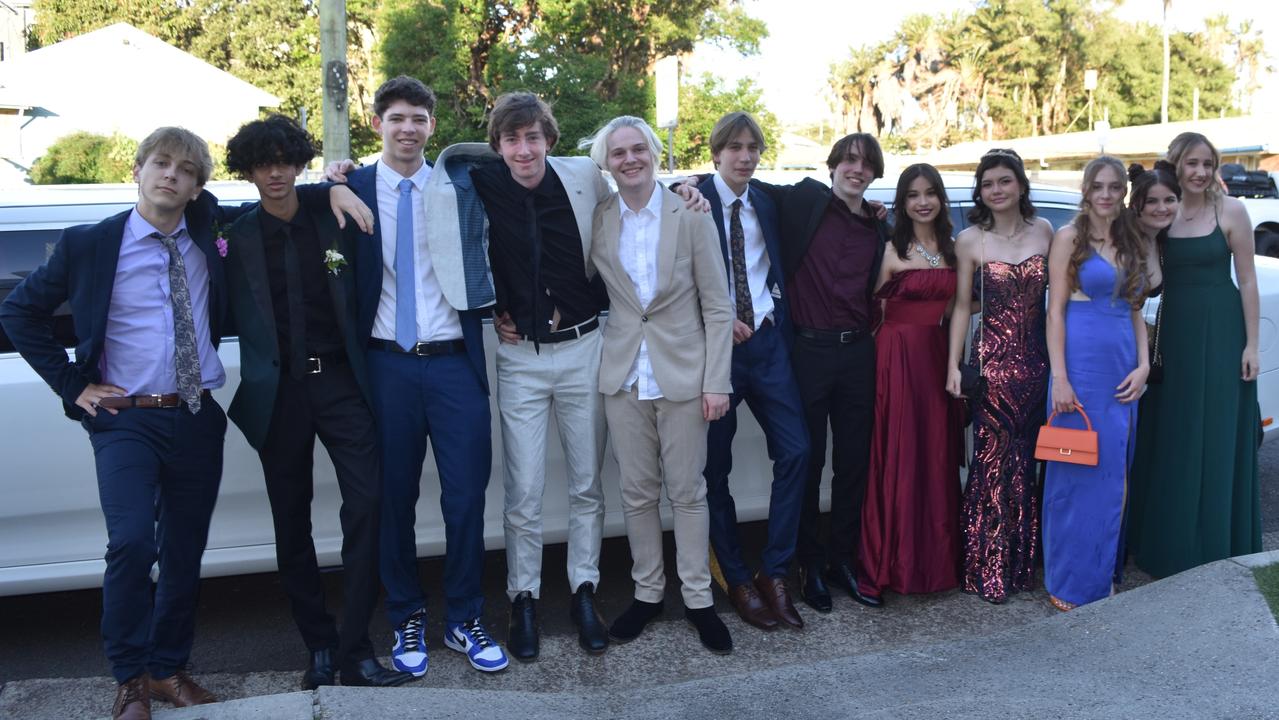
column 1001, row 500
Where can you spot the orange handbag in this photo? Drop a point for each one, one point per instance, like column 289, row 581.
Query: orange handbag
column 1067, row 445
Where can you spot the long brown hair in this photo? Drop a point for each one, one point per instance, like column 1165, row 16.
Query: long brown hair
column 1130, row 258
column 904, row 227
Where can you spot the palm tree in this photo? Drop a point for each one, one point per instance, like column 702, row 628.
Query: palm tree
column 1163, row 104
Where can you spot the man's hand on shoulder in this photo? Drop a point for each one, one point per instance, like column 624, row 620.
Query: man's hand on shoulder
column 337, row 170
column 343, row 202
column 693, row 199
column 878, row 209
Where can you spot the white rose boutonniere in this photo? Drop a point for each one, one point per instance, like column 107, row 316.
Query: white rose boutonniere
column 334, row 261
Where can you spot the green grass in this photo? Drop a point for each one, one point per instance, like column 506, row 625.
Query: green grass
column 1268, row 582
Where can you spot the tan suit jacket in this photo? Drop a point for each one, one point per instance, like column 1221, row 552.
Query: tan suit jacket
column 689, row 323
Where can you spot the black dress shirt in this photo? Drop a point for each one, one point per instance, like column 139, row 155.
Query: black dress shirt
column 319, row 325
column 535, row 251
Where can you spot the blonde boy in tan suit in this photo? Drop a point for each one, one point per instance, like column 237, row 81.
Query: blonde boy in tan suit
column 664, row 372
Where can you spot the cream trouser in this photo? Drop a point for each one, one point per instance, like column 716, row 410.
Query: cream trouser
column 660, row 441
column 562, row 377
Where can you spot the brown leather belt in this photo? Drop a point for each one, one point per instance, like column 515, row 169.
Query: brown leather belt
column 167, row 400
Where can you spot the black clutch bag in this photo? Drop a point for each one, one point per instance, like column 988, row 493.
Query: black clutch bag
column 972, row 384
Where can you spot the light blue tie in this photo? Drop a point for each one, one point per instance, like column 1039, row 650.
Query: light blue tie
column 405, row 272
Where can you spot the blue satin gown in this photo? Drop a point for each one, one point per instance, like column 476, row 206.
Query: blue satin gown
column 1084, row 506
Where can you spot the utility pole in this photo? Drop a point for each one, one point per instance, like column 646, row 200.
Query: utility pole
column 337, row 124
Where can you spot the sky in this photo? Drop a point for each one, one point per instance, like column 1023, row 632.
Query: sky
column 806, row 36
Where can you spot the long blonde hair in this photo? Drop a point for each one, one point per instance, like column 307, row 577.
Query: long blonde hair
column 1184, row 143
column 1130, row 257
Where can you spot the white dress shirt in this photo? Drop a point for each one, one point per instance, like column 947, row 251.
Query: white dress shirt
column 637, row 249
column 436, row 319
column 756, row 252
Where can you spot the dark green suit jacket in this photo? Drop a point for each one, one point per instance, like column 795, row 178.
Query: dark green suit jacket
column 250, row 303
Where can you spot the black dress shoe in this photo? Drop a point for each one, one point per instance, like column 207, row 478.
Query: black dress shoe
column 843, row 577
column 321, row 671
column 814, row 591
column 631, row 623
column 710, row 630
column 370, row 673
column 521, row 634
column 592, row 634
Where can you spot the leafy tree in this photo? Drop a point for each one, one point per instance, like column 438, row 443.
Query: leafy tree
column 58, row 20
column 702, row 103
column 86, row 158
column 272, row 44
column 591, row 59
column 1015, row 67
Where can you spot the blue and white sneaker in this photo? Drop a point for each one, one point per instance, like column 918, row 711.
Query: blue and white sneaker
column 408, row 654
column 471, row 638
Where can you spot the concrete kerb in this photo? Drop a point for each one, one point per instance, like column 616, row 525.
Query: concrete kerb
column 1257, row 560
column 1199, row 644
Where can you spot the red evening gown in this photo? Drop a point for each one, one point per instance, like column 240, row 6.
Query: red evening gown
column 911, row 537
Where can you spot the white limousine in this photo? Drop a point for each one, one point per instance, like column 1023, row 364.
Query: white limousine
column 52, row 536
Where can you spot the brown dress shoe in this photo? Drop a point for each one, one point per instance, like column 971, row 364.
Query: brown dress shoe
column 180, row 690
column 132, row 700
column 773, row 590
column 751, row 607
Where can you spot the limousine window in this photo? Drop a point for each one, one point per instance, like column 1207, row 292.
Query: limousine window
column 22, row 251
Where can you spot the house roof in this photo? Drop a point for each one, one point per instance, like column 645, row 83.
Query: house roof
column 121, row 55
column 1247, row 135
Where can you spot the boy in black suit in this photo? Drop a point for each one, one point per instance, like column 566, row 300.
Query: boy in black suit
column 303, row 374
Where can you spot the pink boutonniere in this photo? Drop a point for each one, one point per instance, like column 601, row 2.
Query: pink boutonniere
column 219, row 239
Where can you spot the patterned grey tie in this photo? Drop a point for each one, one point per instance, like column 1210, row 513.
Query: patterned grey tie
column 186, row 358
column 741, row 288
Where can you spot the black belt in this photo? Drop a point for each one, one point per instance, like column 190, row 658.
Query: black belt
column 422, row 349
column 835, row 337
column 318, row 363
column 572, row 333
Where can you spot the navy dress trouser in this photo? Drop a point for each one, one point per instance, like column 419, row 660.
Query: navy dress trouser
column 762, row 376
column 158, row 476
column 437, row 398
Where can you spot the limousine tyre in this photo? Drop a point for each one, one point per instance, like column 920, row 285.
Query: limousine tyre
column 1268, row 243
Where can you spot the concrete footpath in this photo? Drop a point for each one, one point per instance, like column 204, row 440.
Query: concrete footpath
column 1202, row 644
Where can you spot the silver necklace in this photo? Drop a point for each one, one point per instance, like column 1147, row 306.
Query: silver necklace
column 1016, row 234
column 933, row 260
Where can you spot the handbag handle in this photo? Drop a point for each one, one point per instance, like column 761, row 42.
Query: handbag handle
column 1157, row 358
column 981, row 326
column 1078, row 407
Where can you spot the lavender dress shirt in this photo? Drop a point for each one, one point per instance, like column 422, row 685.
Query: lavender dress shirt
column 138, row 354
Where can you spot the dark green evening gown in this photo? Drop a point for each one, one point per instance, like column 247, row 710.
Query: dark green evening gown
column 1195, row 495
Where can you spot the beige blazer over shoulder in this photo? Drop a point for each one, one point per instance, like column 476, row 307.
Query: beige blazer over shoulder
column 689, row 323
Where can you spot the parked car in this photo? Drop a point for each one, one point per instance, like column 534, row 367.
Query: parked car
column 1256, row 189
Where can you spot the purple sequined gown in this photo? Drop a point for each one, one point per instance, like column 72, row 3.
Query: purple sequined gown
column 1001, row 499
